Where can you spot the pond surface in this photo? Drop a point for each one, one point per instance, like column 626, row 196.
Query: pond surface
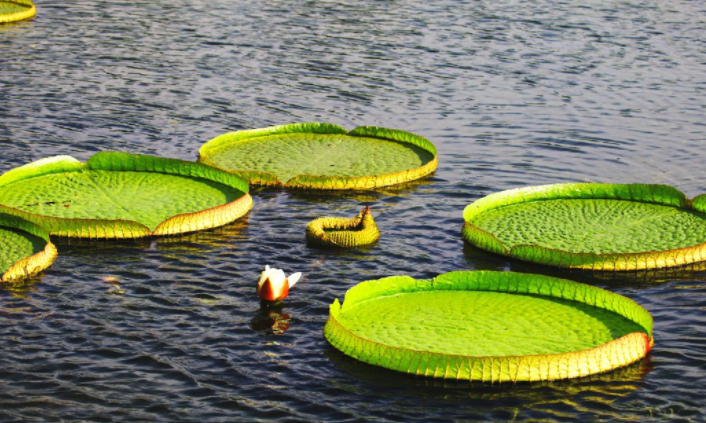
column 513, row 93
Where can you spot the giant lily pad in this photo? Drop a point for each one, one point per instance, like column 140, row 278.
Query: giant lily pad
column 591, row 226
column 337, row 232
column 25, row 248
column 119, row 195
column 489, row 326
column 16, row 10
column 322, row 156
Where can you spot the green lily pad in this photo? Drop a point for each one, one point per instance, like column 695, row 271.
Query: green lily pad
column 16, row 10
column 322, row 156
column 118, row 195
column 336, row 232
column 591, row 226
column 25, row 248
column 489, row 326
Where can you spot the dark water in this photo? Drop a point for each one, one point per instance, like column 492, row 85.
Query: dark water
column 513, row 93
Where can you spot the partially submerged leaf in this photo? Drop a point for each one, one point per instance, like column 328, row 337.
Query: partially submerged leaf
column 25, row 249
column 16, row 10
column 322, row 156
column 489, row 326
column 336, row 232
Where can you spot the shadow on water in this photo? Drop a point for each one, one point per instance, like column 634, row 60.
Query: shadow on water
column 21, row 288
column 343, row 251
column 210, row 237
column 16, row 27
column 118, row 257
column 359, row 375
column 215, row 237
column 484, row 260
column 367, row 196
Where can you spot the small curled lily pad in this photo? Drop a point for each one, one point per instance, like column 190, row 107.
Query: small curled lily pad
column 603, row 227
column 322, row 156
column 25, row 248
column 119, row 195
column 16, row 10
column 336, row 232
column 489, row 326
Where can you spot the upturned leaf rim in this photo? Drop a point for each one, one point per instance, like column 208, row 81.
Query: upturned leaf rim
column 645, row 193
column 320, row 182
column 617, row 353
column 358, row 231
column 121, row 228
column 31, row 265
column 18, row 16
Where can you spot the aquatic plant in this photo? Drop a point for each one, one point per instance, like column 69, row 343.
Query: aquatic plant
column 605, row 227
column 25, row 248
column 343, row 233
column 489, row 326
column 274, row 285
column 16, row 10
column 322, row 156
column 119, row 195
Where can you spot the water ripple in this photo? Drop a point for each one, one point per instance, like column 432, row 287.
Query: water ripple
column 513, row 93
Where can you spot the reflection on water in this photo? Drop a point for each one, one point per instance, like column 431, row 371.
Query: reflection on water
column 512, row 94
column 271, row 319
column 624, row 378
column 363, row 197
column 211, row 237
column 523, row 401
column 216, row 237
column 484, row 260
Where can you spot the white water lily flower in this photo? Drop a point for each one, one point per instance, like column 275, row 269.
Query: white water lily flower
column 274, row 285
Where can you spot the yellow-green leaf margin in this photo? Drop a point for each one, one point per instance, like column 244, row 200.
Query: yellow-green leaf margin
column 319, row 182
column 617, row 353
column 645, row 193
column 336, row 232
column 118, row 161
column 30, row 11
column 28, row 266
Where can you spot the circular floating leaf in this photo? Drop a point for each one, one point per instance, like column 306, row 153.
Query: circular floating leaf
column 25, row 248
column 322, row 156
column 119, row 195
column 16, row 10
column 591, row 226
column 489, row 326
column 343, row 233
